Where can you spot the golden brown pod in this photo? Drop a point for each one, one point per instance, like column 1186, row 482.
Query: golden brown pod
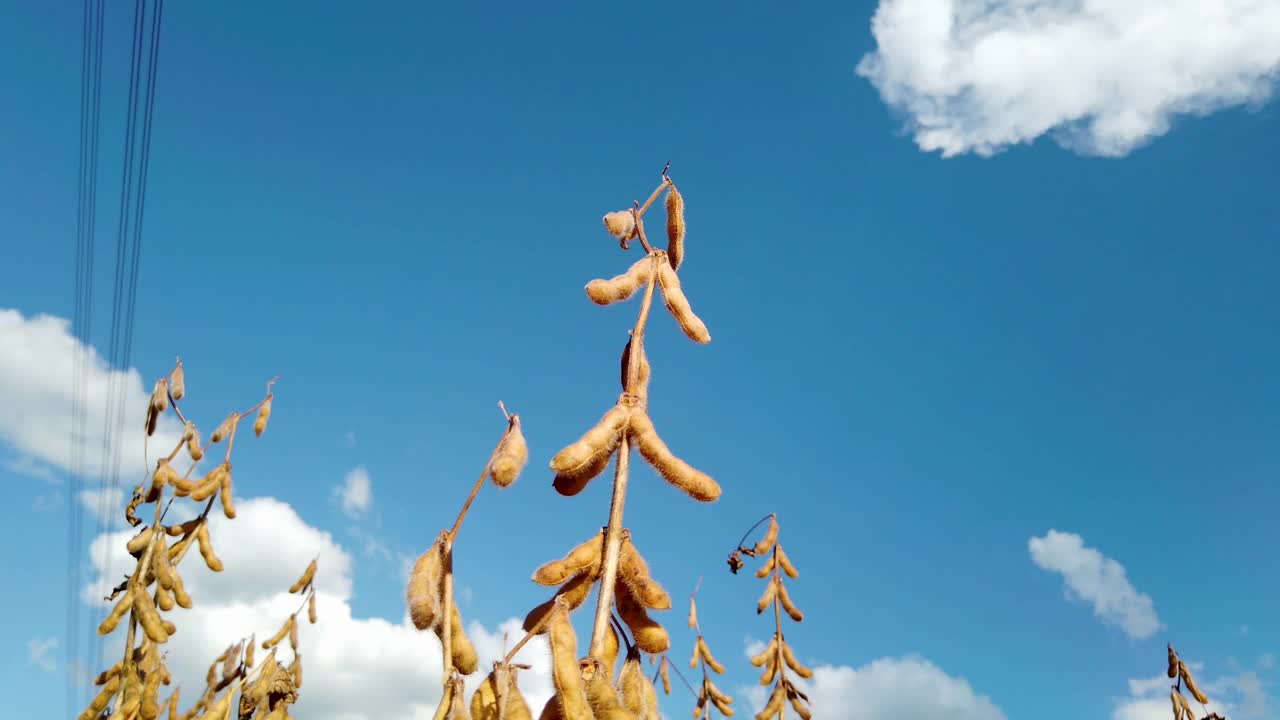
column 770, row 591
column 634, row 571
column 785, row 562
column 264, row 412
column 574, row 593
column 695, row 483
column 1174, row 699
column 794, row 664
column 649, row 636
column 139, row 542
column 193, row 444
column 293, row 633
column 121, row 608
column 770, row 537
column 666, row 676
column 228, row 503
column 1191, row 683
column 675, row 227
column 173, row 703
column 631, row 686
column 583, row 556
column 248, row 651
column 307, row 576
column 702, row 650
column 423, row 591
column 164, row 599
column 101, row 700
column 211, row 558
column 679, row 307
column 177, row 382
column 180, row 595
column 621, row 224
column 511, row 457
column 311, row 608
column 465, row 659
column 785, row 599
column 1173, row 662
column 769, row 564
column 601, row 438
column 159, row 403
column 801, row 709
column 641, row 389
column 602, row 696
column 275, row 639
column 573, row 482
column 693, row 612
column 621, row 287
column 164, row 475
column 148, row 616
column 570, row 689
column 225, row 428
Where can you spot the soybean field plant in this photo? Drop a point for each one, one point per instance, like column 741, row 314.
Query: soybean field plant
column 1181, row 708
column 148, row 597
column 777, row 655
column 608, row 563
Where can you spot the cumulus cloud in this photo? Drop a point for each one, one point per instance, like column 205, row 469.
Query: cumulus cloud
column 1092, row 577
column 355, row 668
column 1235, row 696
column 907, row 688
column 36, row 358
column 356, row 492
column 1101, row 77
column 38, row 650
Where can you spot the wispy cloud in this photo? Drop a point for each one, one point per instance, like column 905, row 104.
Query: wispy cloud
column 38, row 652
column 1091, row 576
column 355, row 494
column 1101, row 78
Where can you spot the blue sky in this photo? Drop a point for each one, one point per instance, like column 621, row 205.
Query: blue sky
column 919, row 362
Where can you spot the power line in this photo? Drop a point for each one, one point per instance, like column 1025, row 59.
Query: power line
column 82, row 318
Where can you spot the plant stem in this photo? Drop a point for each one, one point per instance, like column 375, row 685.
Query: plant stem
column 613, row 531
column 613, row 548
column 777, row 620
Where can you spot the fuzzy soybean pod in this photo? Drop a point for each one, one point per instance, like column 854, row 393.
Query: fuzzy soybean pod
column 634, row 571
column 795, row 697
column 305, row 579
column 211, row 559
column 465, row 658
column 621, row 287
column 695, row 483
column 799, row 669
column 585, row 555
column 648, row 634
column 177, row 382
column 511, row 457
column 641, row 389
column 573, row 593
column 621, row 224
column 770, row 591
column 787, row 605
column 122, row 608
column 602, row 696
column 228, row 504
column 580, row 462
column 101, row 700
column 679, row 307
column 423, row 591
column 785, row 562
column 770, row 537
column 565, row 673
column 147, row 614
column 675, row 227
column 264, row 413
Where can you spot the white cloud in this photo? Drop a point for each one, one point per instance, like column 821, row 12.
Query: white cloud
column 354, row 668
column 106, row 504
column 1240, row 697
column 38, row 653
column 907, row 688
column 1095, row 578
column 356, row 492
column 36, row 358
column 1101, row 76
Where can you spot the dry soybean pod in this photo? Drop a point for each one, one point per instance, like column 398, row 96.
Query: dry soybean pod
column 675, row 227
column 511, row 456
column 679, row 307
column 695, row 483
column 584, row 555
column 620, row 287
